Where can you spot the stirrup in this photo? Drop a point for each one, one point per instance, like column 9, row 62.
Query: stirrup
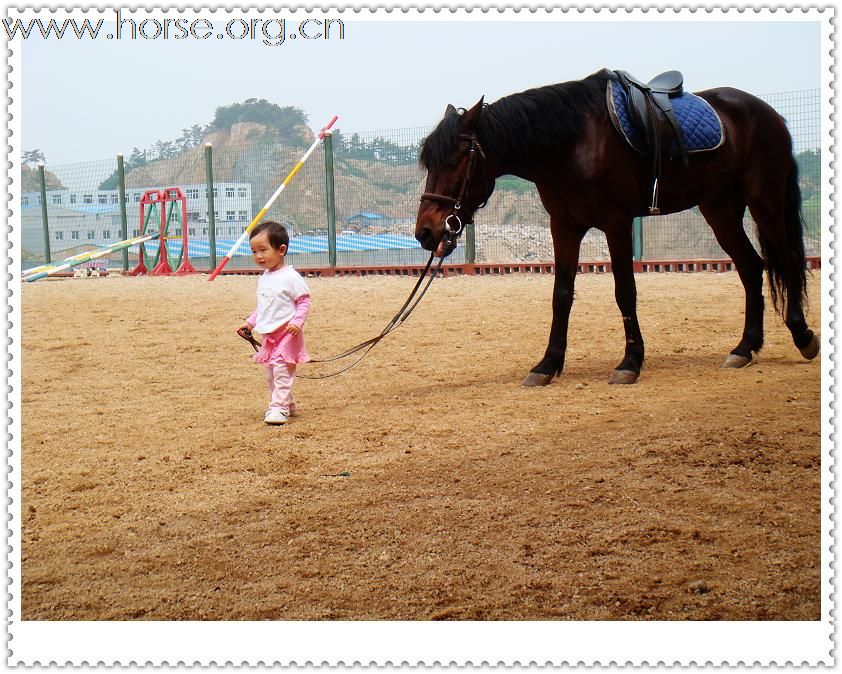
column 653, row 209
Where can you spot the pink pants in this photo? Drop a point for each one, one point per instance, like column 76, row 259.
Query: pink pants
column 279, row 379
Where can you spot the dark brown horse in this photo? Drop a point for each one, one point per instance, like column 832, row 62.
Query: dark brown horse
column 561, row 138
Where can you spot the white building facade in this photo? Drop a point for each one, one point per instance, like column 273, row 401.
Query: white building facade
column 92, row 217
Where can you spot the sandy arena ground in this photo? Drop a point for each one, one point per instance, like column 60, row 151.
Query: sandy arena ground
column 152, row 489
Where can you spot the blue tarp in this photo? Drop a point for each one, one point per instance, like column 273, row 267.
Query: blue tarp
column 299, row 244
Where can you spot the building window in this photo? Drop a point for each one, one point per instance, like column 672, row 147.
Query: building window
column 106, row 234
column 91, row 234
column 192, row 192
column 103, row 198
column 244, row 215
column 215, row 193
column 88, row 199
column 204, row 231
column 241, row 192
column 135, row 232
column 115, row 198
column 59, row 236
column 25, row 201
column 136, row 198
column 74, row 235
column 56, row 198
column 229, row 191
column 72, row 198
column 230, row 215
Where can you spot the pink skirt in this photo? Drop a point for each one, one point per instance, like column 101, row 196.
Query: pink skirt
column 282, row 347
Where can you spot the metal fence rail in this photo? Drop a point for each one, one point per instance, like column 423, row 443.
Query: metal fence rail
column 376, row 183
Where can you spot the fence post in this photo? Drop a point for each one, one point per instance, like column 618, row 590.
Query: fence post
column 211, row 211
column 124, row 226
column 330, row 200
column 42, row 179
column 637, row 238
column 470, row 243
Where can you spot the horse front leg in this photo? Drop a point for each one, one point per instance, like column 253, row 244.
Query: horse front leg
column 566, row 242
column 625, row 292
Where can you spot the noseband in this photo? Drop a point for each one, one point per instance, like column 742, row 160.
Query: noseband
column 454, row 230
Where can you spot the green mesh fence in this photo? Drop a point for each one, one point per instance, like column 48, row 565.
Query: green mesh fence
column 377, row 184
column 686, row 235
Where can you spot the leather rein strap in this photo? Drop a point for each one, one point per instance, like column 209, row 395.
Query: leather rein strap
column 402, row 314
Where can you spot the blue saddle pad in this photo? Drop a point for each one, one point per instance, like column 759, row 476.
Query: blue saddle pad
column 699, row 122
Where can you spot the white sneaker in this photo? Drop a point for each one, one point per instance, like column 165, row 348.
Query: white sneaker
column 275, row 417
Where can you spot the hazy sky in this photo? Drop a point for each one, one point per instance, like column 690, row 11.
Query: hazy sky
column 90, row 99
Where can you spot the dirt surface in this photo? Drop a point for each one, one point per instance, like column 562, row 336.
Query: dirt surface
column 426, row 483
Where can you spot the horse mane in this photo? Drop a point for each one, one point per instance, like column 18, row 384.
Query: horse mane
column 533, row 122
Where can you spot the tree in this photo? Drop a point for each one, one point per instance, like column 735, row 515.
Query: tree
column 285, row 121
column 809, row 172
column 34, row 157
column 136, row 159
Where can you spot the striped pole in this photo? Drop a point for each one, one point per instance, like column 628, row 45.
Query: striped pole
column 76, row 260
column 53, row 265
column 269, row 203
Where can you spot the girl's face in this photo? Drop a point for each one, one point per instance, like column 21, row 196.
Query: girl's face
column 264, row 255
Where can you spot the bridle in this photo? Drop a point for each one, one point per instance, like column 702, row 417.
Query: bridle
column 454, row 230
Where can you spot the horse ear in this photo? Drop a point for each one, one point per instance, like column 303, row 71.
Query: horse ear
column 470, row 119
column 450, row 110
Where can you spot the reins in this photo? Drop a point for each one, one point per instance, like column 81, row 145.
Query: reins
column 452, row 231
column 401, row 315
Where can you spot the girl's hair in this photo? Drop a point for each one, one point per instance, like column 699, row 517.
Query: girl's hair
column 278, row 235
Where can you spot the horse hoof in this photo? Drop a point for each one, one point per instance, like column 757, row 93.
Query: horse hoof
column 735, row 360
column 812, row 349
column 537, row 379
column 623, row 377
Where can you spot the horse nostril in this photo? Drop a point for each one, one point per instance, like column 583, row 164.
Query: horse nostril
column 424, row 236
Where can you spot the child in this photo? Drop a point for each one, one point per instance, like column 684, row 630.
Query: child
column 283, row 303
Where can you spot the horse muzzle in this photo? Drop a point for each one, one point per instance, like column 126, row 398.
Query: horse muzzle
column 446, row 244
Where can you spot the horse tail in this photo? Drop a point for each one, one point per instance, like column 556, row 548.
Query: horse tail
column 787, row 268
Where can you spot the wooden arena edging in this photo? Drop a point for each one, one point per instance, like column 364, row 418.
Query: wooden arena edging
column 502, row 268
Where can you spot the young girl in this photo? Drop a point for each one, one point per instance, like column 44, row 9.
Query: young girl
column 283, row 303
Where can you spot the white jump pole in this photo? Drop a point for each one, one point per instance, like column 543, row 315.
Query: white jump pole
column 81, row 258
column 277, row 193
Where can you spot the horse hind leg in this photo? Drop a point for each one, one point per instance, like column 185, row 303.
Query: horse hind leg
column 725, row 217
column 781, row 239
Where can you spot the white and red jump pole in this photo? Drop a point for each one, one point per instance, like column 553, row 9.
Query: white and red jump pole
column 263, row 211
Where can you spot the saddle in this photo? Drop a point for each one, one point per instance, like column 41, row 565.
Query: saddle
column 650, row 109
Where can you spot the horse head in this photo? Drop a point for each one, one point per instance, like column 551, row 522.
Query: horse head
column 458, row 182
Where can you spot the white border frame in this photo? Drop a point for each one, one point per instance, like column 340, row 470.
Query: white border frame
column 428, row 643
